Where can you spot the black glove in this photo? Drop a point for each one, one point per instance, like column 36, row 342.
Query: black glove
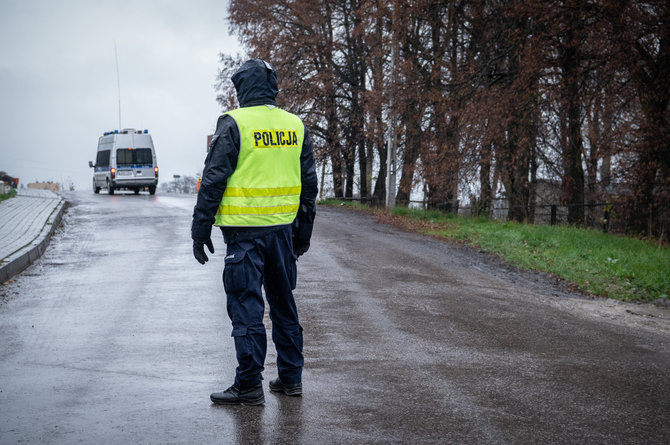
column 199, row 250
column 300, row 246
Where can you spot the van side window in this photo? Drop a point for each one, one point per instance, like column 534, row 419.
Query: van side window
column 103, row 158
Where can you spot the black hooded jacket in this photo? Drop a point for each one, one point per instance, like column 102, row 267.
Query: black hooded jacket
column 256, row 84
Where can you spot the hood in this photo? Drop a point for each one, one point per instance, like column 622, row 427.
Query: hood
column 256, row 83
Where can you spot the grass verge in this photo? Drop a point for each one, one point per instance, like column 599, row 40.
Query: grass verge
column 598, row 263
column 11, row 194
column 344, row 203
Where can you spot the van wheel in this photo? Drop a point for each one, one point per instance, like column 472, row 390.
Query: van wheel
column 110, row 188
column 136, row 191
column 96, row 189
column 152, row 190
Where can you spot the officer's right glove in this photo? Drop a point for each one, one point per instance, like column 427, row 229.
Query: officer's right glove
column 199, row 250
column 300, row 246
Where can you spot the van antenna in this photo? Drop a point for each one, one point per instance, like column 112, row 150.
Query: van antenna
column 118, row 82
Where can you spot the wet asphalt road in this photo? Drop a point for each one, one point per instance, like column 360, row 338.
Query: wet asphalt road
column 117, row 335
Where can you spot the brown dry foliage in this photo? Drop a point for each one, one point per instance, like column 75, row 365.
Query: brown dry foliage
column 486, row 97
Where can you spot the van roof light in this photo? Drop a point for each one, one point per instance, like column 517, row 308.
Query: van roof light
column 116, row 131
column 146, row 131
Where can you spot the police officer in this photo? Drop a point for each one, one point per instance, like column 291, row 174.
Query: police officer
column 259, row 186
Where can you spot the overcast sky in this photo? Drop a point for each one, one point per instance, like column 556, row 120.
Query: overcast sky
column 59, row 86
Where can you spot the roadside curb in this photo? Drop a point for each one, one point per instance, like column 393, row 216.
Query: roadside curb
column 19, row 261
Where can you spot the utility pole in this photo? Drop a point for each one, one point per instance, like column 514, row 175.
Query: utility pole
column 390, row 170
column 391, row 153
column 118, row 82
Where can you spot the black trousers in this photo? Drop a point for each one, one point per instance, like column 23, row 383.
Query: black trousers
column 265, row 262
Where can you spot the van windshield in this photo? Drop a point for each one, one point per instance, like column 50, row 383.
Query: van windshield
column 137, row 156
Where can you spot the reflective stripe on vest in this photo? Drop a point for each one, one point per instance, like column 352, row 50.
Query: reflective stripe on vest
column 264, row 189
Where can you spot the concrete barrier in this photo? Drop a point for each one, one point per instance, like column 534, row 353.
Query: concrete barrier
column 20, row 260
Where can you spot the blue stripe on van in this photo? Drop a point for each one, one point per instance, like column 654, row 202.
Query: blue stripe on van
column 130, row 167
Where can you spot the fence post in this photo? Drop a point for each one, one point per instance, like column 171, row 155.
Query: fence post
column 553, row 214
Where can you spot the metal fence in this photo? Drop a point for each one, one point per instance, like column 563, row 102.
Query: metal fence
column 601, row 216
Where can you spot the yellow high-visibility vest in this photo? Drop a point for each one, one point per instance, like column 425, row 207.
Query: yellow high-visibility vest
column 264, row 189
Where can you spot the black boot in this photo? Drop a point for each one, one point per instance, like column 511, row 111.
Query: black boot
column 290, row 389
column 236, row 396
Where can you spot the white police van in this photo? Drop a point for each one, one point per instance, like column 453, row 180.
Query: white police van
column 126, row 160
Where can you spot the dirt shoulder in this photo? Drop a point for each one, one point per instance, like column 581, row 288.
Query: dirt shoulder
column 652, row 316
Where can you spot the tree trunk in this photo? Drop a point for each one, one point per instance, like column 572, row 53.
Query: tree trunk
column 349, row 163
column 573, row 172
column 484, row 207
column 516, row 183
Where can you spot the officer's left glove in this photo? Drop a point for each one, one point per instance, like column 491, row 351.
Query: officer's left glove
column 300, row 246
column 199, row 250
column 302, row 232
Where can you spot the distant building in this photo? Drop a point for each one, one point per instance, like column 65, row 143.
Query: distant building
column 44, row 186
